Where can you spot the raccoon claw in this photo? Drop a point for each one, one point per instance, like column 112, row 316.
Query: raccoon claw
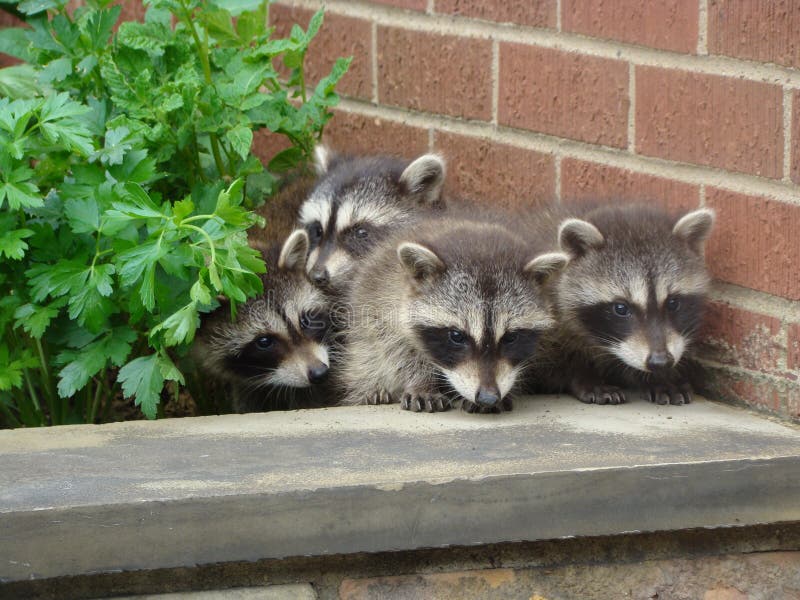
column 424, row 402
column 602, row 394
column 380, row 397
column 677, row 395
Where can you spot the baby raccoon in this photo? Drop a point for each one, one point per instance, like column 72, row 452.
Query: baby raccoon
column 357, row 202
column 630, row 302
column 275, row 353
column 447, row 309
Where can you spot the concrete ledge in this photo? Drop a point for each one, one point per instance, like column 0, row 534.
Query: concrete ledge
column 128, row 496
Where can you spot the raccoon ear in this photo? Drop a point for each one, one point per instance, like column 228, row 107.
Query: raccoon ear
column 294, row 251
column 576, row 237
column 322, row 159
column 420, row 262
column 695, row 227
column 545, row 265
column 424, row 177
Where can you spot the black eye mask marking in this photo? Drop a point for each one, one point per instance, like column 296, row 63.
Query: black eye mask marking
column 256, row 359
column 360, row 238
column 518, row 345
column 442, row 348
column 315, row 323
column 605, row 324
column 688, row 317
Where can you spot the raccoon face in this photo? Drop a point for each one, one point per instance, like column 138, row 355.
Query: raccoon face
column 356, row 204
column 478, row 326
column 279, row 339
column 638, row 288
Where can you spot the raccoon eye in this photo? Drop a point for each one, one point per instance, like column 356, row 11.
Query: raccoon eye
column 264, row 343
column 457, row 337
column 362, row 232
column 509, row 337
column 315, row 232
column 621, row 309
column 673, row 304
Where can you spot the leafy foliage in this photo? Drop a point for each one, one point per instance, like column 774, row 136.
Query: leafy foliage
column 126, row 189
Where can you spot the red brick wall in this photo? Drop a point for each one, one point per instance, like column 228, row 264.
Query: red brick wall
column 680, row 102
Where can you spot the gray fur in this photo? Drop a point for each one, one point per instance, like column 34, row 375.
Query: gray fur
column 641, row 257
column 446, row 272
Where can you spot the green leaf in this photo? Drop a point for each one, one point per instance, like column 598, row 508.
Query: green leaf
column 32, row 7
column 150, row 37
column 12, row 244
column 56, row 70
column 286, row 160
column 142, row 379
column 19, row 81
column 137, row 269
column 98, row 25
column 200, row 293
column 14, row 42
column 180, row 326
column 252, row 23
column 20, row 195
column 11, row 368
column 83, row 215
column 35, row 319
column 241, row 139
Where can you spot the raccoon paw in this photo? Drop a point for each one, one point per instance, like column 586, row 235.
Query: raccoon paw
column 473, row 407
column 379, row 397
column 677, row 394
column 602, row 394
column 424, row 402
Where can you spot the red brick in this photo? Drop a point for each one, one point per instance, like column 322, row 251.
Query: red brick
column 666, row 24
column 436, row 73
column 796, row 136
column 339, row 36
column 358, row 134
column 132, row 10
column 564, row 94
column 267, row 144
column 409, row 4
column 583, row 182
column 497, row 173
column 755, row 243
column 485, row 583
column 533, row 13
column 793, row 360
column 710, row 120
column 763, row 30
column 734, row 336
column 778, row 396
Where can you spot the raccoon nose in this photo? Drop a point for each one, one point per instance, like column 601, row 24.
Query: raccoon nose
column 320, row 276
column 659, row 360
column 487, row 396
column 318, row 373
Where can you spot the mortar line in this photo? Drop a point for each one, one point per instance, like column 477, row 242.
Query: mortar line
column 495, row 80
column 787, row 135
column 430, row 9
column 756, row 301
column 374, row 65
column 568, row 42
column 557, row 165
column 702, row 195
column 702, row 28
column 631, row 108
column 615, row 157
column 558, row 16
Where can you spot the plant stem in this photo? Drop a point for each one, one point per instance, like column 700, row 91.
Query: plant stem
column 202, row 54
column 34, row 397
column 204, row 233
column 96, row 401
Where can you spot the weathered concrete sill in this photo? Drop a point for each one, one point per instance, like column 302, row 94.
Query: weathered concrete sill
column 130, row 496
